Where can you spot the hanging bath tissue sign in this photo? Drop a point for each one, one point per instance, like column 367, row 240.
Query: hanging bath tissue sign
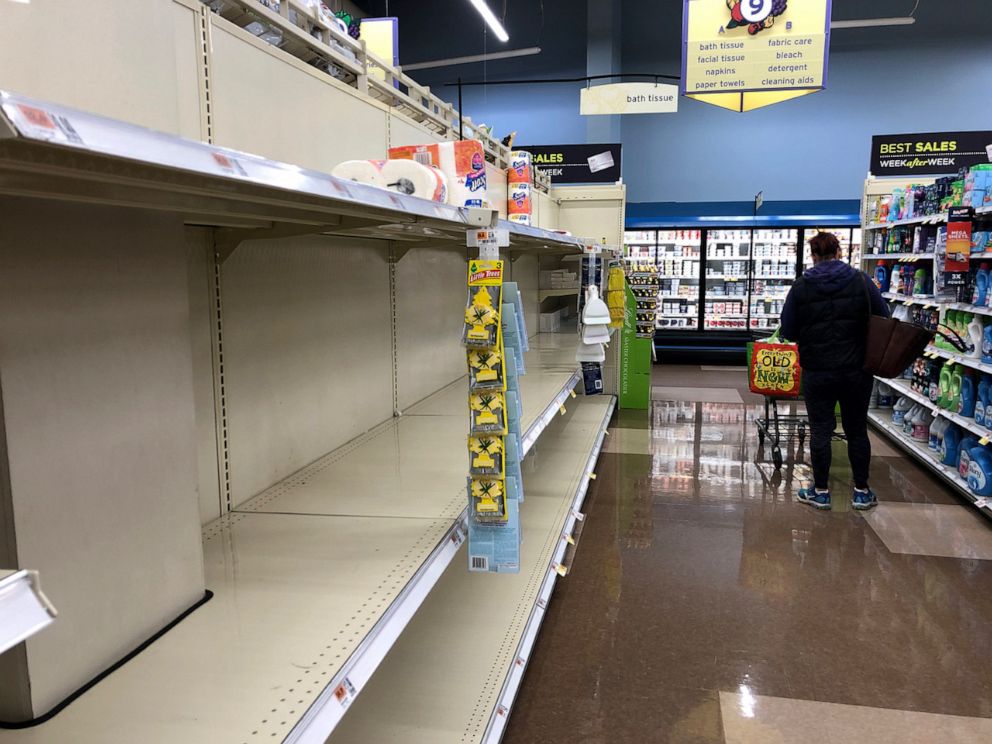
column 745, row 54
column 629, row 98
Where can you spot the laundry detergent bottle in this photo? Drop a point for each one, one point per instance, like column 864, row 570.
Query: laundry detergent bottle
column 937, row 429
column 921, row 284
column 950, row 445
column 921, row 425
column 980, row 294
column 982, row 400
column 944, row 396
column 957, row 379
column 968, row 443
column 987, row 344
column 980, row 471
column 900, row 409
column 976, row 334
column 969, row 397
column 882, row 276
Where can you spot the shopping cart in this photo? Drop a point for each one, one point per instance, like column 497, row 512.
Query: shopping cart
column 782, row 428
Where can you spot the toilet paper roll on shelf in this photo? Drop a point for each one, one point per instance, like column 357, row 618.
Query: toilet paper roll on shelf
column 463, row 164
column 362, row 171
column 413, row 179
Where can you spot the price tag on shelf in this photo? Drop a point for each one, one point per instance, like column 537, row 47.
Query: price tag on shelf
column 907, row 302
column 570, row 540
column 37, row 123
column 561, row 410
column 560, row 569
column 983, row 440
column 950, row 363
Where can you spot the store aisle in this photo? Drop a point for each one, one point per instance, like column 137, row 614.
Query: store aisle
column 706, row 606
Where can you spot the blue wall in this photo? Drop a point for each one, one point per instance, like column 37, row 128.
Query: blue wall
column 933, row 76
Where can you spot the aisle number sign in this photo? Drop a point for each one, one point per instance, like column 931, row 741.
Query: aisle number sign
column 744, row 54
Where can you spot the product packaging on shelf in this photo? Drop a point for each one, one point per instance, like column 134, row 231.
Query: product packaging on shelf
column 521, row 168
column 486, row 455
column 463, row 164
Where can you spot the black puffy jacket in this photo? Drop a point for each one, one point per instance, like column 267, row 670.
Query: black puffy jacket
column 826, row 313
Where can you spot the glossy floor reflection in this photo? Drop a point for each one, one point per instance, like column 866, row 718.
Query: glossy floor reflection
column 698, row 577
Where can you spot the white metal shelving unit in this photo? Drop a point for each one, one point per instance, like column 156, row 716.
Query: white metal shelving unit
column 440, row 684
column 57, row 152
column 879, row 418
column 924, row 455
column 316, row 577
column 315, row 580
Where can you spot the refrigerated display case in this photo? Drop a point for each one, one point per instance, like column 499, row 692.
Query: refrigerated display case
column 773, row 272
column 850, row 244
column 678, row 254
column 725, row 303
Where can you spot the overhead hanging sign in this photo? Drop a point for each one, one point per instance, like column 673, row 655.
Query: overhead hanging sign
column 629, row 98
column 744, row 54
column 928, row 152
column 577, row 163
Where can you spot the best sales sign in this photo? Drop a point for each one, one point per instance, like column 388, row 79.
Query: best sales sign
column 743, row 54
column 928, row 153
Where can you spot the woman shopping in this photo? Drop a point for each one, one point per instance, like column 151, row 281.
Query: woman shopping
column 826, row 314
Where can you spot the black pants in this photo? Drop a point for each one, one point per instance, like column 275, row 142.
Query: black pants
column 823, row 390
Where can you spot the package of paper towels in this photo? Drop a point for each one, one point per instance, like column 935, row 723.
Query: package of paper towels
column 413, row 179
column 463, row 164
column 362, row 171
column 520, row 167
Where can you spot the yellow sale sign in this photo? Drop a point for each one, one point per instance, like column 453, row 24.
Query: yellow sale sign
column 743, row 54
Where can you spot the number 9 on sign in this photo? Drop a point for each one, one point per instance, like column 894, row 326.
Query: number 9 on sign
column 755, row 11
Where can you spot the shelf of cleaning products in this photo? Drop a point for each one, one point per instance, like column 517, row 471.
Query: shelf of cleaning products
column 53, row 151
column 920, row 451
column 925, row 300
column 898, row 256
column 314, row 580
column 440, row 685
column 967, row 361
column 24, row 609
column 968, row 307
column 930, row 219
column 903, row 388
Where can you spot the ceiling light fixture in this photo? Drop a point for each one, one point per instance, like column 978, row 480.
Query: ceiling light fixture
column 474, row 58
column 491, row 19
column 872, row 22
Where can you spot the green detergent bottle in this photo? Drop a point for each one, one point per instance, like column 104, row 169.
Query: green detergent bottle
column 943, row 399
column 957, row 380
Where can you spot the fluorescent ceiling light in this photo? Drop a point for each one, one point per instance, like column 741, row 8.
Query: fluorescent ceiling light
column 871, row 22
column 491, row 19
column 474, row 58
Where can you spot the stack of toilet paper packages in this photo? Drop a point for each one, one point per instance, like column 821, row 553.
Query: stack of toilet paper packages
column 402, row 176
column 463, row 164
column 519, row 206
